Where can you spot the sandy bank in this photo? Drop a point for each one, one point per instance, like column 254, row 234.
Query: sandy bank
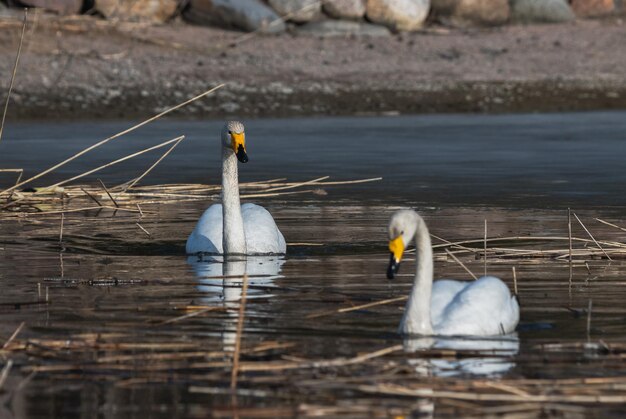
column 89, row 68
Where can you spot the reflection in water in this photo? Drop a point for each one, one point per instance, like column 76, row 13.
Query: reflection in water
column 222, row 280
column 486, row 356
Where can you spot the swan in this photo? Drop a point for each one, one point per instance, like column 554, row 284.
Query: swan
column 446, row 307
column 230, row 228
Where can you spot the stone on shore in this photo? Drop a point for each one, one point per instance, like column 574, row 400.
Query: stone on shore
column 155, row 11
column 342, row 28
column 548, row 11
column 299, row 11
column 473, row 12
column 62, row 7
column 247, row 15
column 402, row 15
column 344, row 9
column 593, row 8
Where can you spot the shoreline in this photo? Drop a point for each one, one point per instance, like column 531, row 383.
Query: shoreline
column 84, row 68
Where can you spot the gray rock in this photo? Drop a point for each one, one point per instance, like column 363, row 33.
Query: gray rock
column 299, row 11
column 344, row 9
column 62, row 7
column 527, row 11
column 402, row 15
column 247, row 15
column 472, row 12
column 336, row 28
column 156, row 11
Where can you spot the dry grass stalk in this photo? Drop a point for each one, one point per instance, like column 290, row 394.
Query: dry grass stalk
column 460, row 263
column 192, row 314
column 240, row 320
column 108, row 193
column 61, row 230
column 515, row 281
column 569, row 234
column 589, row 319
column 610, row 224
column 359, row 307
column 144, row 230
column 590, row 235
column 17, row 60
column 113, row 163
column 14, row 335
column 93, row 198
column 106, row 140
column 169, row 150
column 485, row 248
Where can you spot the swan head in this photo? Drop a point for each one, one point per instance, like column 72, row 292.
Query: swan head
column 402, row 228
column 234, row 137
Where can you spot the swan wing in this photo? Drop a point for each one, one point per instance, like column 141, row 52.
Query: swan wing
column 443, row 292
column 483, row 307
column 262, row 233
column 206, row 237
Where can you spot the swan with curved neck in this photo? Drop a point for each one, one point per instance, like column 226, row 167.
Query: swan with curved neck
column 231, row 228
column 446, row 307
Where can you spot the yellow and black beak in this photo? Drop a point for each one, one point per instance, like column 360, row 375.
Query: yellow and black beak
column 238, row 141
column 396, row 247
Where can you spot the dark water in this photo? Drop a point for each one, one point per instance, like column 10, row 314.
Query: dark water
column 556, row 160
column 111, row 339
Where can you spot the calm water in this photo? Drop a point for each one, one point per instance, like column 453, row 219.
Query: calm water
column 112, row 339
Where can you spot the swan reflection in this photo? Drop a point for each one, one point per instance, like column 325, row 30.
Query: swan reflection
column 221, row 281
column 488, row 356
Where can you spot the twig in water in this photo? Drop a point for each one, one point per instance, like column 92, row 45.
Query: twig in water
column 144, row 230
column 107, row 191
column 169, row 150
column 140, row 211
column 460, row 263
column 242, row 312
column 192, row 314
column 589, row 319
column 14, row 335
column 17, row 60
column 5, row 372
column 106, row 140
column 592, row 238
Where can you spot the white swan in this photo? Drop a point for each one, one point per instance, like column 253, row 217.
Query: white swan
column 230, row 228
column 481, row 308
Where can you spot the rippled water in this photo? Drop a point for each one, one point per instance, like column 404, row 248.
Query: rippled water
column 119, row 324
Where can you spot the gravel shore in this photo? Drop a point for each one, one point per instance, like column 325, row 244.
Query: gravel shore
column 84, row 67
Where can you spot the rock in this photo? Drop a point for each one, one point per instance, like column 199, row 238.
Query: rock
column 541, row 11
column 299, row 11
column 592, row 8
column 157, row 11
column 247, row 15
column 473, row 12
column 344, row 9
column 332, row 28
column 403, row 15
column 62, row 7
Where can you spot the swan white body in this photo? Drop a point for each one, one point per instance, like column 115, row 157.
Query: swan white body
column 231, row 228
column 261, row 233
column 446, row 307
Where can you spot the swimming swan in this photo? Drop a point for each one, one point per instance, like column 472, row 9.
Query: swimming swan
column 230, row 228
column 481, row 308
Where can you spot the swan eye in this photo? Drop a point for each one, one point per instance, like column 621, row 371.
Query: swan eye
column 402, row 233
column 230, row 132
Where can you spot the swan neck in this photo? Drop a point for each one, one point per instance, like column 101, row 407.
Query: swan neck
column 417, row 314
column 233, row 238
